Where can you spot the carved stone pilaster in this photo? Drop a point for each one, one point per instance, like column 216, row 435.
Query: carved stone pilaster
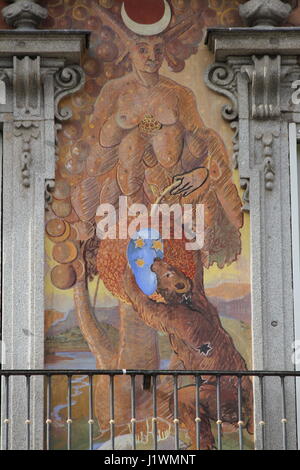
column 24, row 14
column 264, row 12
column 265, row 65
column 37, row 76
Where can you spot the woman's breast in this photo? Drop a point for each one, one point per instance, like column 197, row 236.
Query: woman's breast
column 132, row 108
column 168, row 144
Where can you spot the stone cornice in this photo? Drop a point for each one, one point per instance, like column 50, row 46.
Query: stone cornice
column 226, row 42
column 45, row 43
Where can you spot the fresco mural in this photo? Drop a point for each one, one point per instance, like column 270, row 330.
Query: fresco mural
column 147, row 135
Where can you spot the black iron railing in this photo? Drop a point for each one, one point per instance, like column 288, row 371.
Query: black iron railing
column 149, row 383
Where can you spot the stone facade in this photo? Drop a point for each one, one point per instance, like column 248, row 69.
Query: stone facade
column 45, row 70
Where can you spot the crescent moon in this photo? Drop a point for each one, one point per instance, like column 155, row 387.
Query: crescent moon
column 148, row 29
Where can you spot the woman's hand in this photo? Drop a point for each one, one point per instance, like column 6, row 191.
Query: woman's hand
column 190, row 182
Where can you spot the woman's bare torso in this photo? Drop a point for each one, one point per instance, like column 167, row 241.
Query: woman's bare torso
column 146, row 125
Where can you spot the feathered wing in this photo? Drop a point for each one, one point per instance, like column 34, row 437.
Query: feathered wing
column 222, row 204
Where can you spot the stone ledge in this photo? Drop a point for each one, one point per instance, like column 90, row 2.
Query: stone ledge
column 225, row 42
column 45, row 43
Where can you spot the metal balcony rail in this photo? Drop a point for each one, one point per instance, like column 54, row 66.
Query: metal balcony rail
column 150, row 382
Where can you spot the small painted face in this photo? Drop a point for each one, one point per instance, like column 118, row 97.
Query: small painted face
column 148, row 55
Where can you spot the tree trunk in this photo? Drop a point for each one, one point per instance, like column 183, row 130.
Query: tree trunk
column 97, row 340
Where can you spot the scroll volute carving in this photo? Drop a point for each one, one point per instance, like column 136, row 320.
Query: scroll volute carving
column 264, row 77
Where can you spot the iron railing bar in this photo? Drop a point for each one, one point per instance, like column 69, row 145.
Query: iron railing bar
column 27, row 422
column 48, row 419
column 91, row 413
column 6, row 374
column 198, row 418
column 154, row 420
column 240, row 413
column 112, row 411
column 284, row 417
column 133, row 412
column 262, row 412
column 176, row 415
column 219, row 417
column 132, row 372
column 69, row 420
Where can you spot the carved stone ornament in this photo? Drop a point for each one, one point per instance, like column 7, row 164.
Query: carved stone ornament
column 24, row 14
column 67, row 81
column 245, row 185
column 27, row 87
column 264, row 12
column 264, row 77
column 220, row 77
column 27, row 108
column 27, row 130
column 267, row 156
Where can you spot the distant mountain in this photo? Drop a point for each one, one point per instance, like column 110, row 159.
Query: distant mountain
column 51, row 317
column 239, row 309
column 109, row 315
column 229, row 290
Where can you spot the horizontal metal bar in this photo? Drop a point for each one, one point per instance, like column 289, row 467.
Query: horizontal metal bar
column 73, row 372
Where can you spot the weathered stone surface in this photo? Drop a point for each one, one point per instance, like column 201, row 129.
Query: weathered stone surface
column 31, row 118
column 259, row 87
column 24, row 14
column 264, row 12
